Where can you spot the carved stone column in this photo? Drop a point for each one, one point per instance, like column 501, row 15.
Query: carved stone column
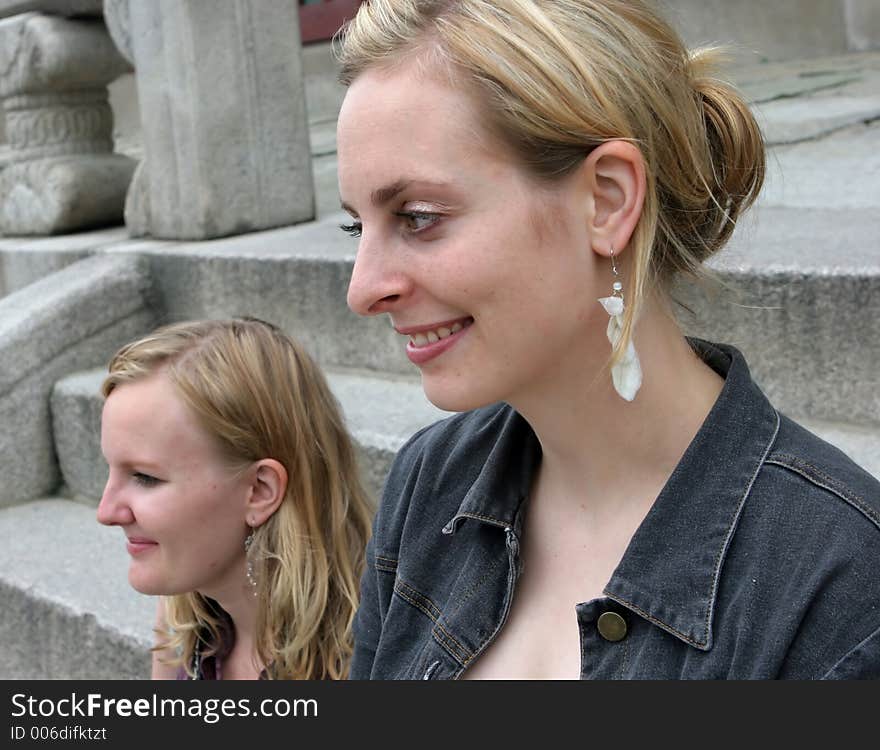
column 223, row 116
column 61, row 173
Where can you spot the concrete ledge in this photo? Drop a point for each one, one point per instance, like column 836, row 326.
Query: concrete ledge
column 296, row 277
column 24, row 260
column 69, row 320
column 803, row 305
column 68, row 611
column 381, row 414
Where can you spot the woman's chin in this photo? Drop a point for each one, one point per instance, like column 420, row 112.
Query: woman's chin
column 453, row 397
column 148, row 585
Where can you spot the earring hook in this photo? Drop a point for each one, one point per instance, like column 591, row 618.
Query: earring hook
column 617, row 287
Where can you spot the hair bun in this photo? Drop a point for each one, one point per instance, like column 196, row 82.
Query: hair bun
column 736, row 147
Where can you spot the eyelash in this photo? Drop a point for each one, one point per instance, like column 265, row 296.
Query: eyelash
column 355, row 229
column 145, row 480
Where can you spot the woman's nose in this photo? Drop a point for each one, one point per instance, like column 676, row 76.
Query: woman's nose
column 113, row 510
column 378, row 284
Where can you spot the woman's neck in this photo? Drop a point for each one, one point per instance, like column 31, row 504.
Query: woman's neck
column 600, row 447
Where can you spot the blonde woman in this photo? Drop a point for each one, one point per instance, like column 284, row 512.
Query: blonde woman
column 525, row 180
column 235, row 482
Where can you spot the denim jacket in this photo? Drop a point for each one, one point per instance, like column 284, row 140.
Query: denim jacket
column 759, row 559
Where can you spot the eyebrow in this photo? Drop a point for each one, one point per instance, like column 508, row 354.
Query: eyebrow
column 384, row 195
column 146, row 465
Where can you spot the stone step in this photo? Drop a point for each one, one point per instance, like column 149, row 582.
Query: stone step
column 24, row 260
column 381, row 413
column 778, row 30
column 802, row 302
column 68, row 611
column 66, row 321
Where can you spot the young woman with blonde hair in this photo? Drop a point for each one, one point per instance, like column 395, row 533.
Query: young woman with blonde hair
column 525, row 180
column 235, row 482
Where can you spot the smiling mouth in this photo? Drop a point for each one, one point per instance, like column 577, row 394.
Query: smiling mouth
column 139, row 540
column 426, row 338
column 138, row 545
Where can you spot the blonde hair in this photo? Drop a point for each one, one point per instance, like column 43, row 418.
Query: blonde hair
column 557, row 78
column 261, row 396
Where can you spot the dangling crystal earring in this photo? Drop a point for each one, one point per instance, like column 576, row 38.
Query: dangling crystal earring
column 626, row 375
column 252, row 579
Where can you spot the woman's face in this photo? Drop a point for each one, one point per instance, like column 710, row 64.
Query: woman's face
column 180, row 506
column 487, row 276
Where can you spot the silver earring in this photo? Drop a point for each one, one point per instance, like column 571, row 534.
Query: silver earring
column 626, row 375
column 252, row 579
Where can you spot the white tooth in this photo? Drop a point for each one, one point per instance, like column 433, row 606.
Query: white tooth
column 456, row 327
column 443, row 332
column 433, row 337
column 420, row 339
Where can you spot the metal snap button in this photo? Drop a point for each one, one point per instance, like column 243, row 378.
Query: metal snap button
column 612, row 627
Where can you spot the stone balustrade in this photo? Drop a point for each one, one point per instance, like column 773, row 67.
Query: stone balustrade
column 223, row 116
column 60, row 173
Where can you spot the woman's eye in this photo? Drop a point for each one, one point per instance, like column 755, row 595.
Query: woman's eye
column 417, row 221
column 144, row 480
column 354, row 229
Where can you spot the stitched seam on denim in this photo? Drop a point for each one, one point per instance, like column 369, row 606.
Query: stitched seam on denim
column 417, row 599
column 421, row 602
column 464, row 650
column 654, row 620
column 490, row 570
column 459, row 651
column 389, row 560
column 478, row 517
column 718, row 559
column 622, row 670
column 821, row 479
column 716, row 573
column 852, row 652
column 494, row 566
column 386, row 568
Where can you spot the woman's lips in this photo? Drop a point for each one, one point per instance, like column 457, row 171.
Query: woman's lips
column 139, row 545
column 419, row 355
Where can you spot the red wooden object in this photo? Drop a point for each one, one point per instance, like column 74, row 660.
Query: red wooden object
column 320, row 21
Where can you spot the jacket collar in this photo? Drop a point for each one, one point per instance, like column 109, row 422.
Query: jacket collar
column 670, row 571
column 505, row 479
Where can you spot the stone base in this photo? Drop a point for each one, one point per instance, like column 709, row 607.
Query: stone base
column 64, row 194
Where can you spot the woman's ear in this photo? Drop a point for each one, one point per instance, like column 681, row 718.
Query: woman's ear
column 268, row 485
column 615, row 173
